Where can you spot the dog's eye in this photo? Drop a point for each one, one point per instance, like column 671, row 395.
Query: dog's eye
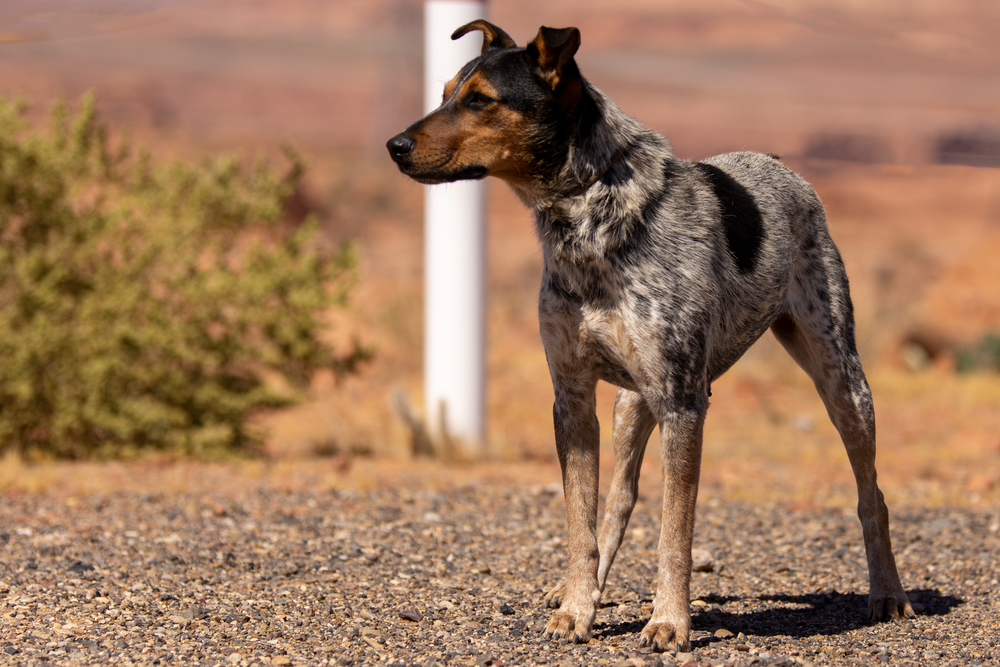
column 478, row 101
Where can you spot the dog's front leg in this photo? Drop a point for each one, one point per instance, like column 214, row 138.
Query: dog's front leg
column 680, row 462
column 578, row 443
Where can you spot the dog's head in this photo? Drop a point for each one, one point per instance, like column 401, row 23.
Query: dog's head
column 500, row 115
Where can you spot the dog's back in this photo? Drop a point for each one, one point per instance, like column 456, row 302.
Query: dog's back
column 776, row 236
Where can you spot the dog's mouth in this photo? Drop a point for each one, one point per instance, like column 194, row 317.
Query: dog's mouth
column 435, row 176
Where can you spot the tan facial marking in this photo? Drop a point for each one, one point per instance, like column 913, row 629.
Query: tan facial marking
column 459, row 135
column 449, row 88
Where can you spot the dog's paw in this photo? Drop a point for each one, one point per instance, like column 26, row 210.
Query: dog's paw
column 666, row 636
column 554, row 597
column 889, row 607
column 576, row 627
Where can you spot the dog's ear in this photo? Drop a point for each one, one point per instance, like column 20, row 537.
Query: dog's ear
column 493, row 37
column 553, row 50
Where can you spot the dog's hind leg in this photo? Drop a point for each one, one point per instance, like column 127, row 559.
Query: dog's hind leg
column 818, row 331
column 633, row 424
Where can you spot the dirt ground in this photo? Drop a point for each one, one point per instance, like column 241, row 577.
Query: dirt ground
column 860, row 98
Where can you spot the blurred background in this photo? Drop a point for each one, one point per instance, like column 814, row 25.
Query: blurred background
column 890, row 109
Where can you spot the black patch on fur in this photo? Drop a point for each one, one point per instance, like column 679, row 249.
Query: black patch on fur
column 643, row 307
column 741, row 219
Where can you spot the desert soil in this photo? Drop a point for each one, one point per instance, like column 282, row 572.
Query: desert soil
column 194, row 564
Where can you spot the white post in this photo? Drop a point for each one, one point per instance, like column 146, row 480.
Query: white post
column 454, row 255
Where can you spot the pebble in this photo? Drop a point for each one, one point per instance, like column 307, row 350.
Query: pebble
column 410, row 614
column 702, row 560
column 631, row 662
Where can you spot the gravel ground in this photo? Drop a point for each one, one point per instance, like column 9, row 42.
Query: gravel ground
column 268, row 577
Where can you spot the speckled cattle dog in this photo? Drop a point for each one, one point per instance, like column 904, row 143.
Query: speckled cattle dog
column 659, row 274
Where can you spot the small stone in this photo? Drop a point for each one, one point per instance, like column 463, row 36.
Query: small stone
column 702, row 560
column 722, row 633
column 234, row 658
column 371, row 554
column 684, row 658
column 483, row 569
column 630, row 662
column 280, row 661
column 80, row 567
column 410, row 614
column 506, row 609
column 742, row 648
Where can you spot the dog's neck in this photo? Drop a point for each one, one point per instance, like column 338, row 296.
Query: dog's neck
column 594, row 202
column 597, row 175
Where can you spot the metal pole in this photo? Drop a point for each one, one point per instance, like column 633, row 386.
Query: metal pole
column 455, row 257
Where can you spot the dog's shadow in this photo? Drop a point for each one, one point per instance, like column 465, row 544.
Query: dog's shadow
column 794, row 616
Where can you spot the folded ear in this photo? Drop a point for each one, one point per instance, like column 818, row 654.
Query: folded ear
column 554, row 49
column 493, row 37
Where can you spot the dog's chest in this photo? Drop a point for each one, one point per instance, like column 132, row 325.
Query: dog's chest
column 595, row 340
column 588, row 305
column 611, row 347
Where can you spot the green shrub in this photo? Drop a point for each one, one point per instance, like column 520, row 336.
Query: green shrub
column 147, row 306
column 985, row 355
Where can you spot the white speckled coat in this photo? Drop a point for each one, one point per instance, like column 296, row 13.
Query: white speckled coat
column 659, row 274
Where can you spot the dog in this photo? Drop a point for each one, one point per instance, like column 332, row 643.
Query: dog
column 659, row 273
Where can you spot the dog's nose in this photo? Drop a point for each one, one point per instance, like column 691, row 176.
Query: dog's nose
column 400, row 145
